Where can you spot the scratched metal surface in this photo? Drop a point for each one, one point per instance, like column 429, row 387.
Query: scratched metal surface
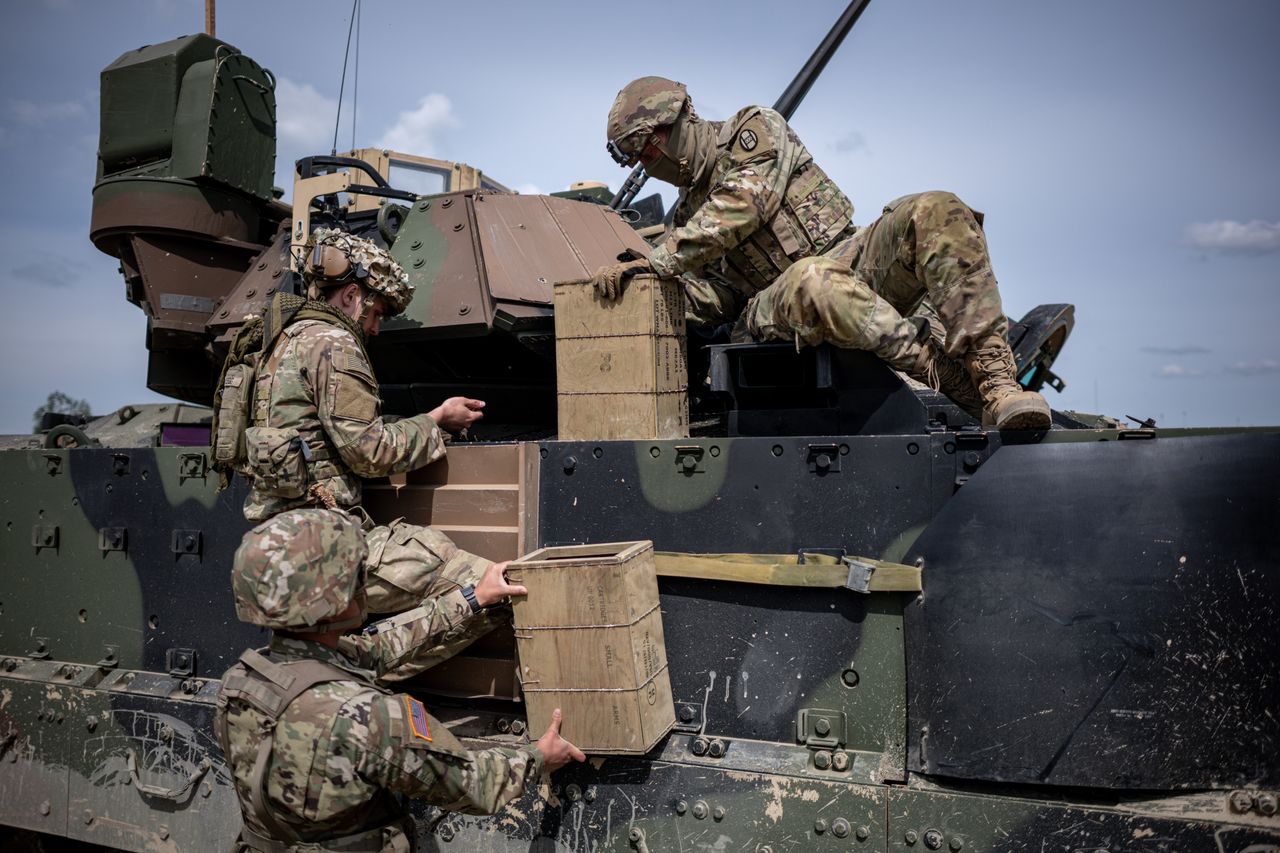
column 1103, row 614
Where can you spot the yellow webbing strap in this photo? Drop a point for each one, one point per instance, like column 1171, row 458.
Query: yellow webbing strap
column 860, row 574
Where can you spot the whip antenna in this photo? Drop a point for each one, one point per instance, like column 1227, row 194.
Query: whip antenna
column 343, row 84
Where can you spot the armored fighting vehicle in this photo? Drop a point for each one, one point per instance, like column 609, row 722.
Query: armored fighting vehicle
column 1090, row 664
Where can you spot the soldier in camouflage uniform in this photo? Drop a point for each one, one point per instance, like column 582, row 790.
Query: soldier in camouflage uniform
column 317, row 750
column 317, row 427
column 773, row 238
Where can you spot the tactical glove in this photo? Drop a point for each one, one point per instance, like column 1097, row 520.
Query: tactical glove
column 609, row 280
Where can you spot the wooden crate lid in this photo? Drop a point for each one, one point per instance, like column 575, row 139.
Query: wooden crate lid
column 568, row 556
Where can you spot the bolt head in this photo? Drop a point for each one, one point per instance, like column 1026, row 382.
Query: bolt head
column 840, row 760
column 686, row 711
column 1241, row 801
column 88, row 816
column 91, row 724
column 699, row 746
column 863, row 833
column 1267, row 804
column 932, row 839
column 45, row 808
column 718, row 813
column 636, row 833
column 840, row 827
column 590, row 794
column 681, row 807
column 822, row 727
column 700, row 810
column 573, row 792
column 504, row 725
column 517, row 727
column 717, row 748
column 819, row 826
column 956, row 844
column 822, row 759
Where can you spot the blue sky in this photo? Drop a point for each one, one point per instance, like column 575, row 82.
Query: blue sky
column 1125, row 154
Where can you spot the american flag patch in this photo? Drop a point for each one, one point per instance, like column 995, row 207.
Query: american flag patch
column 415, row 715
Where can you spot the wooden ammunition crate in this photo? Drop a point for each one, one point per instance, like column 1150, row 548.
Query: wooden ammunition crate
column 620, row 365
column 589, row 636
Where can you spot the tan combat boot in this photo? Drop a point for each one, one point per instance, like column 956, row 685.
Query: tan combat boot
column 1005, row 403
column 925, row 362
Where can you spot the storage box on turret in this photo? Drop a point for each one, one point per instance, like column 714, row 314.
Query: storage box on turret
column 589, row 637
column 620, row 364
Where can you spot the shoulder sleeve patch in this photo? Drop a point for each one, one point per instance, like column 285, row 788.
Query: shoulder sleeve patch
column 416, row 729
column 354, row 363
column 355, row 394
column 757, row 137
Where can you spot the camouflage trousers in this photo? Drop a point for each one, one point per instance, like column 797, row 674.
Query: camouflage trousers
column 408, row 563
column 926, row 254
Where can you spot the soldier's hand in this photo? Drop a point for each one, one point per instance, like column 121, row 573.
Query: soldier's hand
column 609, row 280
column 457, row 413
column 556, row 751
column 494, row 586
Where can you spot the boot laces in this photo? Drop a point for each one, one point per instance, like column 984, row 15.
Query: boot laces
column 998, row 373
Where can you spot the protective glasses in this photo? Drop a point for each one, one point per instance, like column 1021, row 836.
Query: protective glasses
column 619, row 156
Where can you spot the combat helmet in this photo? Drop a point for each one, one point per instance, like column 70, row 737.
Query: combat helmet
column 360, row 260
column 299, row 570
column 641, row 107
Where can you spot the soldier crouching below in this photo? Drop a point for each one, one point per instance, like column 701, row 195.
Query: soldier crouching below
column 761, row 216
column 318, row 751
column 314, row 424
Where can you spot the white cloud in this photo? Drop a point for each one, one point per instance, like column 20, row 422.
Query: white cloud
column 528, row 189
column 35, row 114
column 1254, row 368
column 415, row 131
column 1227, row 235
column 1176, row 371
column 304, row 117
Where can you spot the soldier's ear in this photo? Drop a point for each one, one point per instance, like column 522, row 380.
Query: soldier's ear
column 350, row 295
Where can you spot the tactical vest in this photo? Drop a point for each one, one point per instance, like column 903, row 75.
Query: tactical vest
column 269, row 687
column 813, row 216
column 285, row 461
column 281, row 462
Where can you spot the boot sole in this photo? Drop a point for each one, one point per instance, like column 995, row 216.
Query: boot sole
column 1025, row 414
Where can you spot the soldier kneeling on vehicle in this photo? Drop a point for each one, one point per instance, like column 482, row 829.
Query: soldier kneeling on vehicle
column 317, row 748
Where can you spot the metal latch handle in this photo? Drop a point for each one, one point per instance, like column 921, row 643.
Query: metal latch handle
column 175, row 795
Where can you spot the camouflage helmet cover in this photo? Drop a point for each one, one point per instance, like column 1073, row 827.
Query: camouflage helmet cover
column 298, row 569
column 641, row 107
column 385, row 276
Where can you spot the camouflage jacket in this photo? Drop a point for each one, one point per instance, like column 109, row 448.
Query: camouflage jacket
column 764, row 204
column 318, row 381
column 343, row 749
